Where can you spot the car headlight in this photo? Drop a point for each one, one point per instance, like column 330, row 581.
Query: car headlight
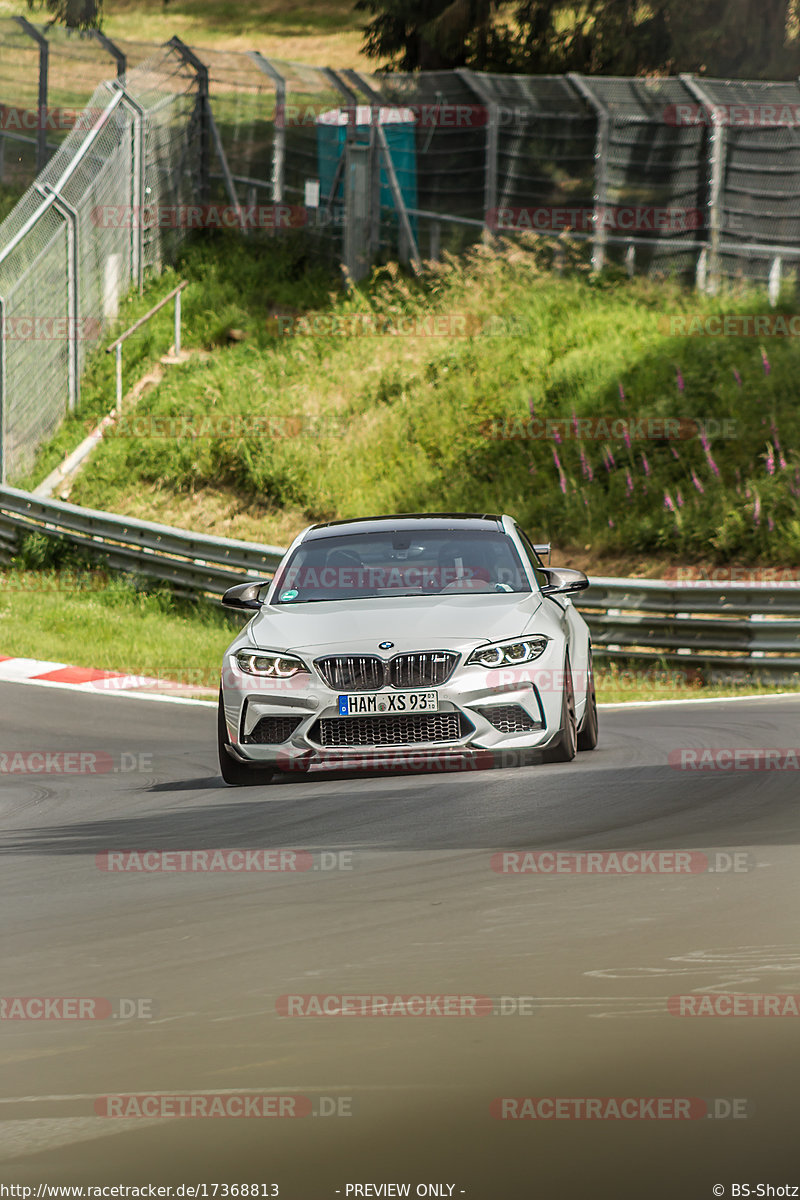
column 274, row 666
column 510, row 654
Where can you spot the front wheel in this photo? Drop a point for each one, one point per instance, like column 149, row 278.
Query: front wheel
column 589, row 732
column 234, row 773
column 565, row 748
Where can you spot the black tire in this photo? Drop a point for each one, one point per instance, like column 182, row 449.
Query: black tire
column 565, row 747
column 234, row 773
column 588, row 734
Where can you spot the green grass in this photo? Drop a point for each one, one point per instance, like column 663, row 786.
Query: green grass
column 408, row 416
column 323, row 32
column 89, row 620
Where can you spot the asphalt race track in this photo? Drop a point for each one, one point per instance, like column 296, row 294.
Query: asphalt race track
column 402, row 897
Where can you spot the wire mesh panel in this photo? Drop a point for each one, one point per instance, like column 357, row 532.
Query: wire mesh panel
column 760, row 194
column 109, row 202
column 652, row 172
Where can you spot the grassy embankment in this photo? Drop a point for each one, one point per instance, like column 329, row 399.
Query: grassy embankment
column 407, row 419
column 325, row 32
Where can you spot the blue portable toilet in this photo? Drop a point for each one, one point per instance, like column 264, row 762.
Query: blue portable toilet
column 399, row 125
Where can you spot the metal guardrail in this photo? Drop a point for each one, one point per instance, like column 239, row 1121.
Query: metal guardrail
column 192, row 563
column 692, row 624
column 738, row 624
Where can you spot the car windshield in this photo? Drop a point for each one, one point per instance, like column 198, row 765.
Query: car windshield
column 401, row 563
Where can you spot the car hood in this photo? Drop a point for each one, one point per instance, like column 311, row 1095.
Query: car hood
column 411, row 623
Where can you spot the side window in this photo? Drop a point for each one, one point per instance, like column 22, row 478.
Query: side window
column 541, row 578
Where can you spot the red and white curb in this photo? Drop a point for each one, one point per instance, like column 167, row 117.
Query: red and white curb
column 87, row 679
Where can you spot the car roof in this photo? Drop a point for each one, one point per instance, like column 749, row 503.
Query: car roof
column 463, row 522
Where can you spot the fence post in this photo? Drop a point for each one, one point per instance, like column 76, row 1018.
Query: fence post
column 137, row 183
column 115, row 52
column 600, row 237
column 716, row 146
column 376, row 103
column 44, row 59
column 203, row 110
column 70, row 215
column 279, row 130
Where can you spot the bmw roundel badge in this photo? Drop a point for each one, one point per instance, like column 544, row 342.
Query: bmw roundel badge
column 385, row 645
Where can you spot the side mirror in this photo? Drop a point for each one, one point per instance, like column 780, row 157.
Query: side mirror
column 561, row 580
column 244, row 595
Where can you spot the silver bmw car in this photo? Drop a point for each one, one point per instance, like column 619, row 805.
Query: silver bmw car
column 425, row 642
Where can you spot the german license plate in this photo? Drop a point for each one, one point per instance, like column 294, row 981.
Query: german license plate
column 386, row 703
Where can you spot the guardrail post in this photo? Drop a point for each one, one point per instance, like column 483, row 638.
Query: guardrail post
column 600, row 237
column 279, row 124
column 70, row 215
column 716, row 145
column 44, row 59
column 203, row 110
column 774, row 287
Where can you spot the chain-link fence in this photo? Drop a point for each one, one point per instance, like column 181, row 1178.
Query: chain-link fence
column 696, row 178
column 77, row 240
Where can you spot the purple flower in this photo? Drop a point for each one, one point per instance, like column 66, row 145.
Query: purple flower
column 737, row 377
column 532, row 407
column 532, row 469
column 586, row 467
column 668, row 502
column 765, row 361
column 608, row 459
column 556, row 435
column 675, row 454
column 697, row 482
column 610, row 523
column 621, row 393
column 707, row 452
column 770, row 460
column 645, row 464
column 770, row 524
column 627, row 436
column 628, row 483
column 679, row 498
column 679, row 377
column 757, row 511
